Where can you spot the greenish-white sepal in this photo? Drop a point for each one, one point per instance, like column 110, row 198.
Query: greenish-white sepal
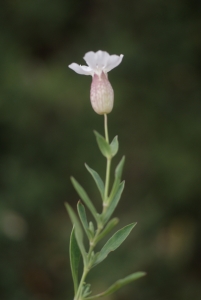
column 118, row 284
column 114, row 146
column 83, row 195
column 75, row 255
column 111, row 224
column 117, row 174
column 83, row 218
column 114, row 242
column 97, row 180
column 78, row 230
column 113, row 202
column 103, row 145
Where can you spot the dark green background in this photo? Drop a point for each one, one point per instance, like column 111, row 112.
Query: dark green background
column 46, row 124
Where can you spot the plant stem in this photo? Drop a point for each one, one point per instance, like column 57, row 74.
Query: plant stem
column 106, row 128
column 107, row 177
column 79, row 291
column 87, row 265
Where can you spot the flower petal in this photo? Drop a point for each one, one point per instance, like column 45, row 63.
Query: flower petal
column 102, row 58
column 83, row 70
column 113, row 62
column 90, row 58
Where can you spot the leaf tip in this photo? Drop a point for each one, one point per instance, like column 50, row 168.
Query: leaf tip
column 66, row 206
column 132, row 225
column 86, row 166
column 141, row 274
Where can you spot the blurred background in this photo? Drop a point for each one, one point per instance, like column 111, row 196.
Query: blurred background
column 46, row 135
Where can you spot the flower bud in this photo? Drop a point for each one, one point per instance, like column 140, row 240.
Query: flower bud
column 101, row 94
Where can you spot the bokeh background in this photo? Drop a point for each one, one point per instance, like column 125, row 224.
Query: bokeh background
column 46, row 124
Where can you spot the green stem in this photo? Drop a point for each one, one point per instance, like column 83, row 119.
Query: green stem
column 87, row 265
column 107, row 177
column 106, row 128
column 79, row 291
column 107, row 180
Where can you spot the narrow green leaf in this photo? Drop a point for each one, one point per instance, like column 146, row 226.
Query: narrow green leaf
column 112, row 223
column 119, row 168
column 114, row 202
column 97, row 180
column 83, row 218
column 103, row 145
column 118, row 284
column 114, row 242
column 78, row 230
column 75, row 256
column 117, row 174
column 114, row 146
column 83, row 195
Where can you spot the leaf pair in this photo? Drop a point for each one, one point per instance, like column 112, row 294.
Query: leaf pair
column 108, row 150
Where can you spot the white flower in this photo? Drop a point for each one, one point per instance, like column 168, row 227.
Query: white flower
column 99, row 64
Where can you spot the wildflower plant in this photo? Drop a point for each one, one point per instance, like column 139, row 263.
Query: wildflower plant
column 102, row 99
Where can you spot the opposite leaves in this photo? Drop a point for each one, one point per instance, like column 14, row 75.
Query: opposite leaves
column 108, row 150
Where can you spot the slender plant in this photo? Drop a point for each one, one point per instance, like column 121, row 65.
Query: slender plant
column 102, row 99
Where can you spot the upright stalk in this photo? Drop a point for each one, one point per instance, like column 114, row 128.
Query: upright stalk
column 106, row 128
column 93, row 242
column 107, row 177
column 102, row 99
column 79, row 291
